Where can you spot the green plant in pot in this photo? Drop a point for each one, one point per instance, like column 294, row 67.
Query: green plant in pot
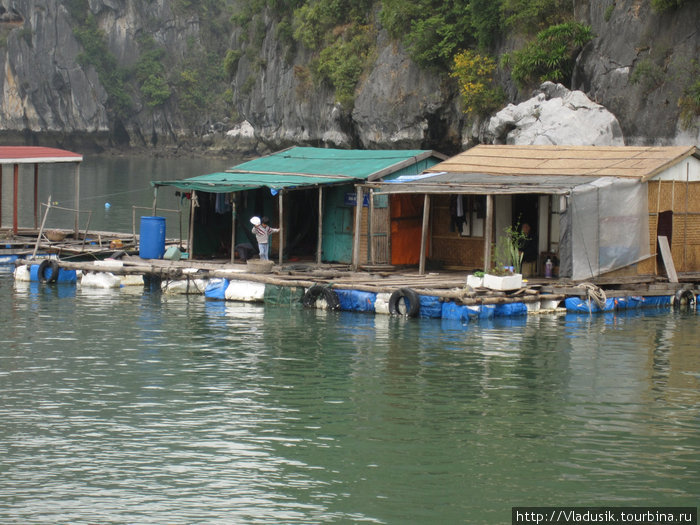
column 507, row 251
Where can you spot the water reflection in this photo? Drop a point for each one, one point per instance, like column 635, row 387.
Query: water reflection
column 124, row 406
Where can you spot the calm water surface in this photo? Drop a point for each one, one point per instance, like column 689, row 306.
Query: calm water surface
column 129, row 407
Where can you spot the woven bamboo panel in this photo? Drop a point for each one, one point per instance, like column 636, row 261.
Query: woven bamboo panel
column 686, row 229
column 459, row 251
column 693, row 197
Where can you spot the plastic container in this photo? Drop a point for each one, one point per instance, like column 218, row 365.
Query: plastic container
column 152, row 243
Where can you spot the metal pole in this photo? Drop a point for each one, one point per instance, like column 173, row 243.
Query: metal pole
column 356, row 238
column 424, row 234
column 319, row 241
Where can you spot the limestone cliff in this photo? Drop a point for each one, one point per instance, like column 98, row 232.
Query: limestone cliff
column 170, row 93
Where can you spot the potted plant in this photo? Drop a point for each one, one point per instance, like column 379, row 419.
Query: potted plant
column 505, row 273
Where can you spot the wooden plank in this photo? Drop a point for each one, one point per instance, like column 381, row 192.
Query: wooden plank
column 668, row 259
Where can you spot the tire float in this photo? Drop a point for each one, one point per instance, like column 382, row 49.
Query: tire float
column 53, row 266
column 317, row 292
column 404, row 301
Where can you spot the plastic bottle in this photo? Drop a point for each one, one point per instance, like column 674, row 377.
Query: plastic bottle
column 548, row 268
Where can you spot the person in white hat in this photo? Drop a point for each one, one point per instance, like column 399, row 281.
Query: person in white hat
column 262, row 232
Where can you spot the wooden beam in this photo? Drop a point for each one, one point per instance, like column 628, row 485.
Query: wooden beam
column 281, row 225
column 77, row 200
column 488, row 232
column 319, row 240
column 36, row 195
column 233, row 227
column 15, row 199
column 424, row 234
column 356, row 234
column 668, row 259
column 190, row 234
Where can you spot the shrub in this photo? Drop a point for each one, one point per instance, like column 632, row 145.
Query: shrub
column 689, row 104
column 551, row 55
column 474, row 74
column 648, row 75
column 666, row 5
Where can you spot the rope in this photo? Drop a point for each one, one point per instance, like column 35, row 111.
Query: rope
column 595, row 293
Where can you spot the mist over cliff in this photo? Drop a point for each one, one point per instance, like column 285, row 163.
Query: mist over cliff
column 225, row 76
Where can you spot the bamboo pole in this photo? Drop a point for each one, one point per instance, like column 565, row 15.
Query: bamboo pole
column 155, row 200
column 656, row 233
column 41, row 230
column 0, row 196
column 424, row 234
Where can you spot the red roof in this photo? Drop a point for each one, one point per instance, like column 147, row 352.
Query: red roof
column 36, row 155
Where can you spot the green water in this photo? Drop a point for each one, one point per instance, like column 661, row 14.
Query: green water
column 125, row 407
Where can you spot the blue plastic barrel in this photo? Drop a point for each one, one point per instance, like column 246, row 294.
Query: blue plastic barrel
column 152, row 243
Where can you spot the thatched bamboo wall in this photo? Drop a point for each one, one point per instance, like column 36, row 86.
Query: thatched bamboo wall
column 683, row 199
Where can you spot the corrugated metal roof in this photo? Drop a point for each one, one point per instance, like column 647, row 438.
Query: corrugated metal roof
column 36, row 155
column 304, row 166
column 591, row 161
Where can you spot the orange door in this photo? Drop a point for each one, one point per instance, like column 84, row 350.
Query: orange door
column 406, row 227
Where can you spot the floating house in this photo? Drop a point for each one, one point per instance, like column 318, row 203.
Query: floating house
column 593, row 210
column 309, row 193
column 34, row 156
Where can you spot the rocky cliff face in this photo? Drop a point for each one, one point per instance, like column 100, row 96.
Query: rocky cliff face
column 637, row 67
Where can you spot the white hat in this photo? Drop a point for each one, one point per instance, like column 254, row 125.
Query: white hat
column 255, row 221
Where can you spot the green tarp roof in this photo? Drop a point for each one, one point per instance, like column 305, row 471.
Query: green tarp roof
column 302, row 166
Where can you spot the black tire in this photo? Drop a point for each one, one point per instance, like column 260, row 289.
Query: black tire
column 684, row 298
column 321, row 292
column 48, row 263
column 410, row 304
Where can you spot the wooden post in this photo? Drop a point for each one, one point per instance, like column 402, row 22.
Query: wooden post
column 424, row 234
column 233, row 228
column 685, row 217
column 0, row 196
column 281, row 225
column 77, row 200
column 356, row 238
column 15, row 199
column 370, row 227
column 190, row 234
column 319, row 241
column 488, row 232
column 36, row 195
column 658, row 214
